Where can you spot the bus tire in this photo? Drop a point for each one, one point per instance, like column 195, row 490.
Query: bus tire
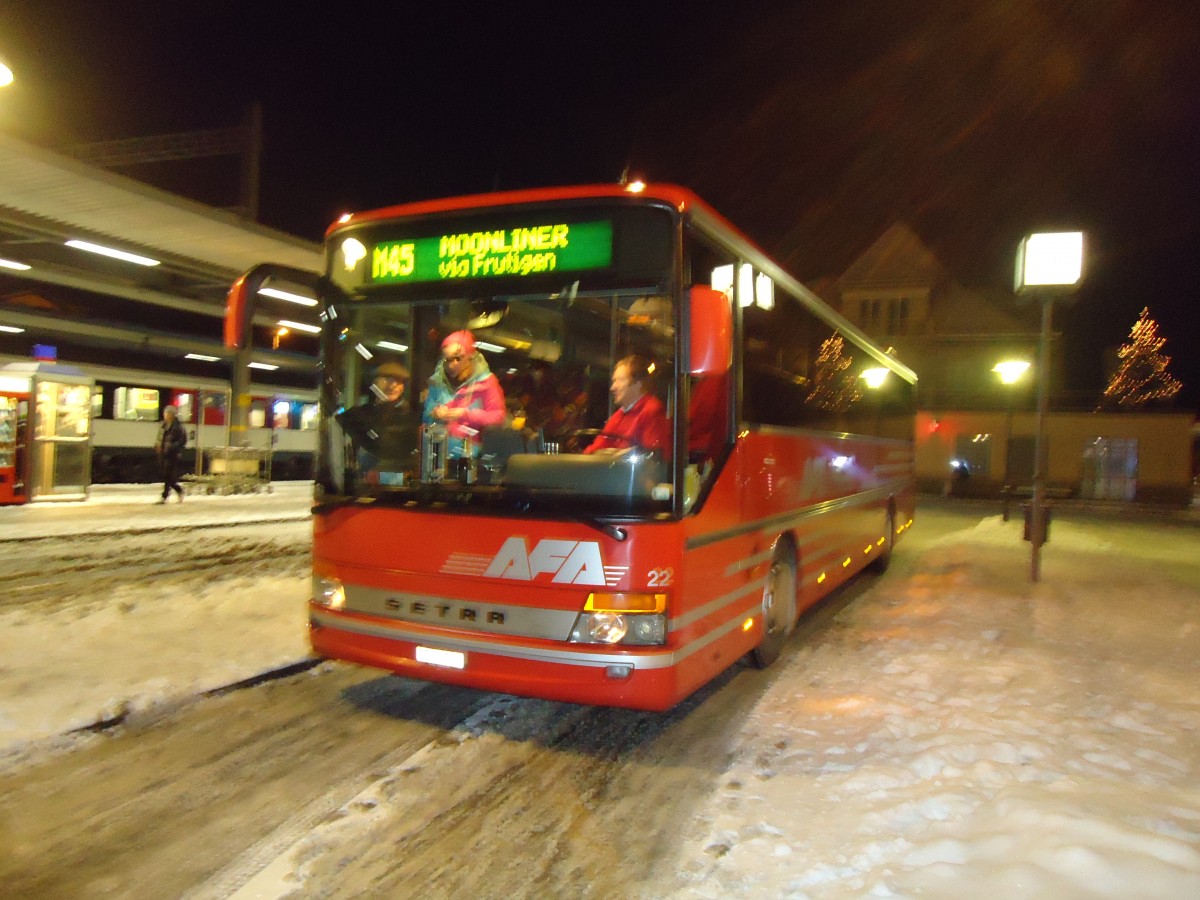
column 880, row 564
column 778, row 607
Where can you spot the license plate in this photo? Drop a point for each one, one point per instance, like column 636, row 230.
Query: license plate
column 449, row 659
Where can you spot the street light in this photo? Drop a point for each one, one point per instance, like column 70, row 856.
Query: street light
column 1010, row 371
column 874, row 379
column 1049, row 264
column 6, row 74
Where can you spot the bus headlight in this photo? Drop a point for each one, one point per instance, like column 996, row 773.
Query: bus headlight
column 618, row 628
column 638, row 619
column 606, row 628
column 328, row 592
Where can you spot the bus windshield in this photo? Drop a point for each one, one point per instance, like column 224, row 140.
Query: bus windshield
column 500, row 400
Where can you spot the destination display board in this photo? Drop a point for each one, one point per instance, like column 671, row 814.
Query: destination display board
column 526, row 250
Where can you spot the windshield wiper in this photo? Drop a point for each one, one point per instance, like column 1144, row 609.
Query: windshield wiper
column 549, row 504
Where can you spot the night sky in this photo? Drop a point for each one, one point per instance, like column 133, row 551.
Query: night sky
column 812, row 125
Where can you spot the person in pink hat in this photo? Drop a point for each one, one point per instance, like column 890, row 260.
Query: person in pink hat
column 463, row 395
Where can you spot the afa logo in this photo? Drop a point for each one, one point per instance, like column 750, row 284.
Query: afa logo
column 567, row 562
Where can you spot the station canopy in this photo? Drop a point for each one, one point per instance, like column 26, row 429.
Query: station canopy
column 95, row 304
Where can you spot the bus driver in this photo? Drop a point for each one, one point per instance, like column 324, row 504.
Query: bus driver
column 640, row 419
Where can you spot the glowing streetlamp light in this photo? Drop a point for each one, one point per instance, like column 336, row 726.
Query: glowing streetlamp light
column 1048, row 264
column 1053, row 260
column 1010, row 371
column 875, row 377
column 6, row 74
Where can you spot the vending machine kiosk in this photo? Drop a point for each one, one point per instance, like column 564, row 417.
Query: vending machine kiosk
column 14, row 414
column 52, row 452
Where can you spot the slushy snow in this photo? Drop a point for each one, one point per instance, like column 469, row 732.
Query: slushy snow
column 953, row 731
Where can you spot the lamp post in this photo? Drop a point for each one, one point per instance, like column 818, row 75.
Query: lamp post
column 1048, row 265
column 1010, row 371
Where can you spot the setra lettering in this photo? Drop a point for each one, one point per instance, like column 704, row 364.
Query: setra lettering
column 445, row 611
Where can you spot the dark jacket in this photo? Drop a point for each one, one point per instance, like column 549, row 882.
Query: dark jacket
column 171, row 439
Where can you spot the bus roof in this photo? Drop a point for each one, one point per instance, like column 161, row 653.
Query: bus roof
column 681, row 198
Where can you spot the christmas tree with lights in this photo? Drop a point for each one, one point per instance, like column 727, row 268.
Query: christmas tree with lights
column 834, row 387
column 1142, row 375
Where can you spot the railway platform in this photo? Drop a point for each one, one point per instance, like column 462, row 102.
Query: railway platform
column 132, row 508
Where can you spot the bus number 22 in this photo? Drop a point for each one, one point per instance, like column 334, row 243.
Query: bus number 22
column 660, row 578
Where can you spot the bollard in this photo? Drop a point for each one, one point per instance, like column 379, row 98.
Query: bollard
column 1027, row 509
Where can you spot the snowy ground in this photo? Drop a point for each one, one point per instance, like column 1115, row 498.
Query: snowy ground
column 956, row 731
column 153, row 637
column 972, row 734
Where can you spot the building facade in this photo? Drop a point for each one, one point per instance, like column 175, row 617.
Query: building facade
column 975, row 433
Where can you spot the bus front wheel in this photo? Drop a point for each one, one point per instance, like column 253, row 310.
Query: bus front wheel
column 778, row 608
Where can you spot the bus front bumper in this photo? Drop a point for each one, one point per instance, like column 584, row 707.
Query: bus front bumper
column 647, row 678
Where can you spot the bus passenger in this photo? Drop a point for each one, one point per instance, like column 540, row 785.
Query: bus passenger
column 463, row 395
column 640, row 419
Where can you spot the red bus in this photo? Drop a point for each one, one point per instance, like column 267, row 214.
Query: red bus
column 501, row 556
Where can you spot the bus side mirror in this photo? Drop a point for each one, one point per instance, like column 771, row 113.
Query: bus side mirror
column 712, row 330
column 242, row 298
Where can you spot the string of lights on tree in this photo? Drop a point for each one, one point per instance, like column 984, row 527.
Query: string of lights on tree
column 1142, row 376
column 834, row 387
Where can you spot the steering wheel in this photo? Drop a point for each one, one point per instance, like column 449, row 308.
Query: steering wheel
column 577, row 437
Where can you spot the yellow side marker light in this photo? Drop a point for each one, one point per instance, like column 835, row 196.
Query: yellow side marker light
column 820, row 578
column 625, row 603
column 846, row 562
column 748, row 624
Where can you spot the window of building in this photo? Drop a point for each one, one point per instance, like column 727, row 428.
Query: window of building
column 973, row 455
column 897, row 310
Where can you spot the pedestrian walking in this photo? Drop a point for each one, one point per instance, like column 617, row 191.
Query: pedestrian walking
column 172, row 438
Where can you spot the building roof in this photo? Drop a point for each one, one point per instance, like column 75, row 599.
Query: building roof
column 898, row 257
column 60, row 196
column 47, row 198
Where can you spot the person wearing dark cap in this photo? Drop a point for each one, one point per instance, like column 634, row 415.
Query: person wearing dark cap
column 389, row 382
column 463, row 395
column 384, row 428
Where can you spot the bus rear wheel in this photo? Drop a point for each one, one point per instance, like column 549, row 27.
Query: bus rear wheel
column 778, row 608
